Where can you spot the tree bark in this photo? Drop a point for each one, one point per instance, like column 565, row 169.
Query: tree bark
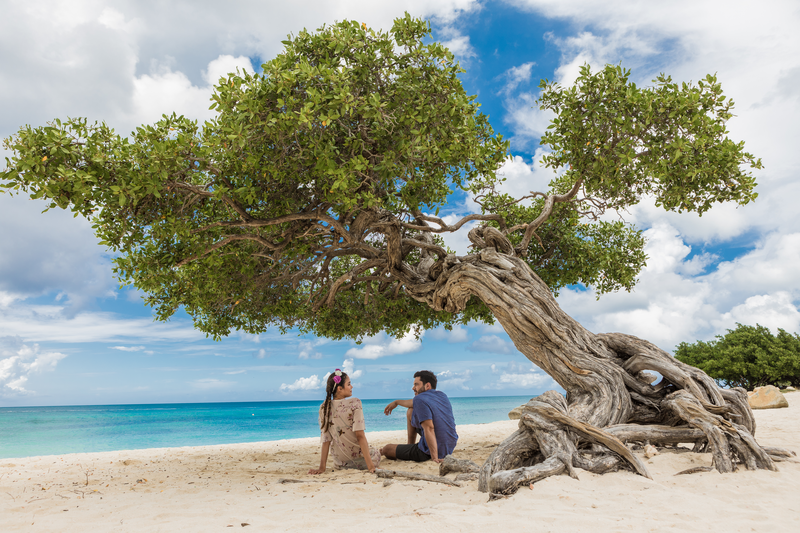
column 609, row 398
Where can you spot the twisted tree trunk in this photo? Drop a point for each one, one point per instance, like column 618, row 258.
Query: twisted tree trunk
column 610, row 399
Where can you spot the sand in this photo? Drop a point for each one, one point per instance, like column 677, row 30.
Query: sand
column 210, row 488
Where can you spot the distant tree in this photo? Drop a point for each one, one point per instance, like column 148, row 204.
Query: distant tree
column 312, row 201
column 748, row 356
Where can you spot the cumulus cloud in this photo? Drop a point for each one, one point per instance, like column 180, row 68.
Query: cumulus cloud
column 521, row 178
column 348, row 367
column 164, row 91
column 309, row 383
column 19, row 361
column 773, row 310
column 382, row 345
column 670, row 305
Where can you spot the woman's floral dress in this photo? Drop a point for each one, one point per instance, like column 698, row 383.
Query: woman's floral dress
column 347, row 417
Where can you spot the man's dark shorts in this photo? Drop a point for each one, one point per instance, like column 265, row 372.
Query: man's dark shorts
column 411, row 452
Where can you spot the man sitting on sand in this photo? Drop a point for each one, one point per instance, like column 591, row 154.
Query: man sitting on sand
column 431, row 416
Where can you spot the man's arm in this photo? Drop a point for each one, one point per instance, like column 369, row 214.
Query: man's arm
column 430, row 438
column 408, row 404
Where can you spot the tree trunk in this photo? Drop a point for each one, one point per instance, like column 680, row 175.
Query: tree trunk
column 609, row 398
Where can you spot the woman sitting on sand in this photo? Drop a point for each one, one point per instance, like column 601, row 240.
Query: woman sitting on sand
column 341, row 423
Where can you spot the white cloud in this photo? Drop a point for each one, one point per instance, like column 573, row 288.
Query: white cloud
column 449, row 380
column 458, row 334
column 671, row 304
column 50, row 252
column 518, row 375
column 6, row 298
column 522, row 178
column 128, row 348
column 307, row 349
column 48, row 323
column 309, row 383
column 224, row 65
column 774, row 310
column 164, row 91
column 522, row 381
column 348, row 367
column 261, row 354
column 460, row 46
column 492, row 344
column 382, row 345
column 19, row 361
column 517, row 75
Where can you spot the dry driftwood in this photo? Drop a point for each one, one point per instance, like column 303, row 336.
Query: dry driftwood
column 695, row 470
column 380, row 472
column 451, row 464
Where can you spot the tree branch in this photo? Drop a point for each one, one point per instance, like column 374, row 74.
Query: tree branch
column 547, row 210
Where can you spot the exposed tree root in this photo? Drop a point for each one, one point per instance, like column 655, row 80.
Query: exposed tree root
column 611, row 398
column 556, row 435
column 728, row 442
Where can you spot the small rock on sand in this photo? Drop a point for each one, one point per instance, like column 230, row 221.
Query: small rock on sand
column 768, row 397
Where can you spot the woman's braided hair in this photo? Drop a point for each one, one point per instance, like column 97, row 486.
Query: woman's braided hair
column 330, row 392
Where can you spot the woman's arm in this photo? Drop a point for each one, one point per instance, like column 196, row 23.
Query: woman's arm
column 362, row 442
column 323, row 461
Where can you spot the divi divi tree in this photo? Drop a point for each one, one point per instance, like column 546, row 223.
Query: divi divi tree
column 311, row 201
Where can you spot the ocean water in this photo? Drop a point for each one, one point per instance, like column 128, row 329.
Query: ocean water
column 30, row 431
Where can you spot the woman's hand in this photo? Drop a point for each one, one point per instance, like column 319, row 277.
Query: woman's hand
column 315, row 472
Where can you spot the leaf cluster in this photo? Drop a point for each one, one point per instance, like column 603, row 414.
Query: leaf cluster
column 669, row 141
column 253, row 219
column 748, row 356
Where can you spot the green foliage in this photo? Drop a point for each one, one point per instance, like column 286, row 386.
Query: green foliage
column 622, row 142
column 283, row 209
column 345, row 121
column 749, row 357
column 625, row 141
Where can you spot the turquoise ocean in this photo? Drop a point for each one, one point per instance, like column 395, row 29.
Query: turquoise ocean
column 30, row 431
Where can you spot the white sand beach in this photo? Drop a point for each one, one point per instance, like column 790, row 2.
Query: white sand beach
column 211, row 488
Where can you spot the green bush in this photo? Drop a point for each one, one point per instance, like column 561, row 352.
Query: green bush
column 748, row 356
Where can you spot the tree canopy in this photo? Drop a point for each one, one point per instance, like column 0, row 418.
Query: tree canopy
column 312, row 199
column 748, row 356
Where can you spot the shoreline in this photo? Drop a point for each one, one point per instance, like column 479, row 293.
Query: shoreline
column 206, row 488
column 45, row 431
column 297, row 441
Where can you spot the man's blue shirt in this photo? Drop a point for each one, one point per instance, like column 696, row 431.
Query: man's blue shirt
column 434, row 405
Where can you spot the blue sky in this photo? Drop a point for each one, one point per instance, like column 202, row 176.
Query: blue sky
column 70, row 335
